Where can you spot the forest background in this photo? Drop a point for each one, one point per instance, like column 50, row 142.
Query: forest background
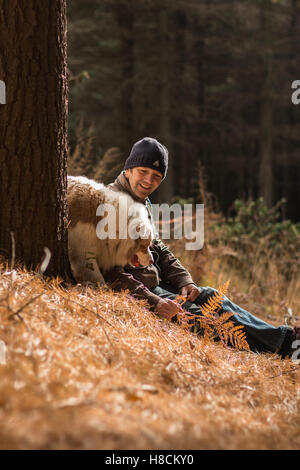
column 212, row 80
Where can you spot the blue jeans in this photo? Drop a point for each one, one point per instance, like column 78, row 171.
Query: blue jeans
column 260, row 336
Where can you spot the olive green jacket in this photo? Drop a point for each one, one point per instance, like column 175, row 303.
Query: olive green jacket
column 166, row 266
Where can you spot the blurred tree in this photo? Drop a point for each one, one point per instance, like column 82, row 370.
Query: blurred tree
column 211, row 80
column 124, row 12
column 166, row 191
column 266, row 105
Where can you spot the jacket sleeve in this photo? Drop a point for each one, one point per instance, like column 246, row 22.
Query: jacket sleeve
column 171, row 270
column 119, row 279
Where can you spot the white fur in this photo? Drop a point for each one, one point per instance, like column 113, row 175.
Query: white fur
column 90, row 256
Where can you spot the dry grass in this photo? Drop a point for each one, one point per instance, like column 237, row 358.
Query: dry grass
column 90, row 369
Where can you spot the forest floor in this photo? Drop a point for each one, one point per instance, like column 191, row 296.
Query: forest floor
column 91, row 369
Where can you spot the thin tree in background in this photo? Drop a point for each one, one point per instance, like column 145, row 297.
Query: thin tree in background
column 166, row 190
column 33, row 132
column 211, row 80
column 125, row 13
column 266, row 111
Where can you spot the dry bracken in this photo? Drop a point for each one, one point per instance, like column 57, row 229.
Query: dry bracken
column 91, row 369
column 213, row 324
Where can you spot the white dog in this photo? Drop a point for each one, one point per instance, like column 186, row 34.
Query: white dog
column 93, row 250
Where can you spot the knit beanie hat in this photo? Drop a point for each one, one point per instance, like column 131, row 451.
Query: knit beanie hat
column 149, row 153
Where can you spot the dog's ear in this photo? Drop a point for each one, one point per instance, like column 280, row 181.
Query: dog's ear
column 143, row 231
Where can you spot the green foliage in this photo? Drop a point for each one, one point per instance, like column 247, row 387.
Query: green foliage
column 254, row 221
column 108, row 43
column 181, row 200
column 259, row 236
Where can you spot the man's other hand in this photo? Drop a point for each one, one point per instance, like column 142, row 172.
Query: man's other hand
column 190, row 291
column 167, row 308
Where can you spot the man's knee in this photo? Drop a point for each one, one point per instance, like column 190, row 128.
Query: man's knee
column 205, row 294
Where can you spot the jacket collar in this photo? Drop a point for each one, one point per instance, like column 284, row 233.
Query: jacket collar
column 123, row 183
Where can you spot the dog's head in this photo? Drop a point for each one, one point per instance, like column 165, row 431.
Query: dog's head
column 143, row 255
column 139, row 254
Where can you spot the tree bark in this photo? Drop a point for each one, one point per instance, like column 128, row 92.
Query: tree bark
column 124, row 12
column 33, row 132
column 266, row 112
column 177, row 95
column 166, row 191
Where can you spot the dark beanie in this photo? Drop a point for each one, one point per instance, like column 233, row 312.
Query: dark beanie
column 149, row 153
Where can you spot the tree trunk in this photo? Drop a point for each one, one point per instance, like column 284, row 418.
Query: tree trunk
column 266, row 113
column 125, row 19
column 177, row 93
column 166, row 191
column 33, row 133
column 292, row 167
column 199, row 24
column 184, row 92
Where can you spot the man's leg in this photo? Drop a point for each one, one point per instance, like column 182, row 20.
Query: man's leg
column 260, row 335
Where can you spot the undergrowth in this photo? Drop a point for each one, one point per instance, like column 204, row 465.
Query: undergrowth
column 87, row 368
column 91, row 369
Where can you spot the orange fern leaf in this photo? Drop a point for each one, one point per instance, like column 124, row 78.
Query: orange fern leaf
column 213, row 324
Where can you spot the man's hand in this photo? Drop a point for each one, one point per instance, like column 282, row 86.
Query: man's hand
column 167, row 308
column 190, row 291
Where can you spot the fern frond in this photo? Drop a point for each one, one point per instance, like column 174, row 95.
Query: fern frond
column 213, row 324
column 213, row 304
column 224, row 288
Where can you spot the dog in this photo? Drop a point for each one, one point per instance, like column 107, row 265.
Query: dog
column 93, row 250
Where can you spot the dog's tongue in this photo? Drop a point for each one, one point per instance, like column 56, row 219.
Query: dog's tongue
column 135, row 261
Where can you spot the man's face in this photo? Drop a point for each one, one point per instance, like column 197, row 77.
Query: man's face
column 143, row 181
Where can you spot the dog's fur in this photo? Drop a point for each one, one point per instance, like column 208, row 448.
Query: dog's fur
column 90, row 256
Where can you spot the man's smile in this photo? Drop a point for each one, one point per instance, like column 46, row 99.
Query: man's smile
column 146, row 188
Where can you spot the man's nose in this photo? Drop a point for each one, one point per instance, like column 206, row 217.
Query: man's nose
column 148, row 179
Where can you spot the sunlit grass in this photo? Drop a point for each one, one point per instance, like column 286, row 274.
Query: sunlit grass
column 88, row 368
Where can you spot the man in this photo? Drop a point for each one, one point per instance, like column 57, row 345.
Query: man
column 161, row 282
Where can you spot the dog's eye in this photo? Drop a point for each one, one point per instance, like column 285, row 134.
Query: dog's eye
column 143, row 231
